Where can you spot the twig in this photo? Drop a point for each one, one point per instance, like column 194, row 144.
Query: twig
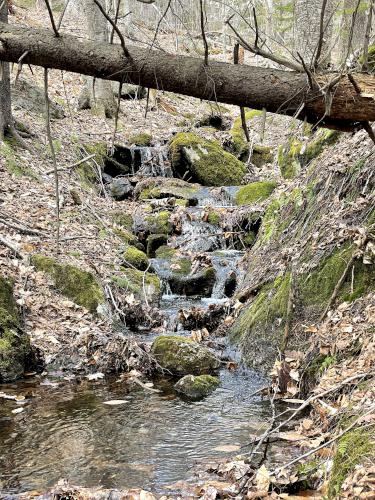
column 159, row 23
column 323, row 445
column 11, row 247
column 51, row 18
column 115, row 27
column 236, row 60
column 144, row 284
column 20, row 229
column 52, row 148
column 338, row 286
column 59, row 22
column 203, row 33
column 19, row 67
column 76, row 164
column 115, row 20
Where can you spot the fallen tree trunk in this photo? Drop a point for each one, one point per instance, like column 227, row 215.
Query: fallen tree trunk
column 275, row 90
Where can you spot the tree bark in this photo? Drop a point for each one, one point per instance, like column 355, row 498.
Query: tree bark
column 275, row 90
column 5, row 101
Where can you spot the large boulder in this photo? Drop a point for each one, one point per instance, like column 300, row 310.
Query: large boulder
column 165, row 187
column 120, row 189
column 200, row 283
column 28, row 97
column 14, row 343
column 182, row 356
column 143, row 285
column 205, row 161
column 197, row 387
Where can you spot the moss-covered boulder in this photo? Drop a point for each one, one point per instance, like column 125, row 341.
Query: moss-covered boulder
column 255, row 192
column 154, row 223
column 123, row 219
column 154, row 242
column 165, row 252
column 133, row 257
column 197, row 387
column 14, row 343
column 206, row 161
column 78, row 285
column 142, row 284
column 164, row 187
column 182, row 356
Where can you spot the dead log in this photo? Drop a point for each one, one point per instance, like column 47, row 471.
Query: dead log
column 275, row 90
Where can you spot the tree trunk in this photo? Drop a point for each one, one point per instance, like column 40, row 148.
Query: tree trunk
column 307, row 30
column 98, row 94
column 359, row 28
column 275, row 90
column 5, row 102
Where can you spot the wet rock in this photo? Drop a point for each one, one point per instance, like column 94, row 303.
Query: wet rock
column 255, row 192
column 155, row 241
column 200, row 283
column 142, row 139
column 78, row 285
column 197, row 387
column 197, row 318
column 182, row 356
column 120, row 189
column 154, row 223
column 205, row 161
column 14, row 343
column 142, row 285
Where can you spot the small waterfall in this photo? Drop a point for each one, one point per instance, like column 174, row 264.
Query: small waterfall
column 152, row 160
column 218, row 197
column 225, row 265
column 199, row 236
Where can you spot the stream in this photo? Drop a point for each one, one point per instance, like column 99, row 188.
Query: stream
column 154, row 440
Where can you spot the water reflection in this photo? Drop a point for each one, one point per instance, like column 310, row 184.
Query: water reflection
column 152, row 441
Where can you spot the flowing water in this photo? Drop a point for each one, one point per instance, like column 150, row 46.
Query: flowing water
column 153, row 440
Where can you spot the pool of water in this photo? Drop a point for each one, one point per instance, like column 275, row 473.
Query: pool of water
column 152, row 441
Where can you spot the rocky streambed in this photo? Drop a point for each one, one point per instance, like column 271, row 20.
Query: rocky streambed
column 181, row 266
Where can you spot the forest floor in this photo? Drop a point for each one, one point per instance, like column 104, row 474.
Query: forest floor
column 344, row 392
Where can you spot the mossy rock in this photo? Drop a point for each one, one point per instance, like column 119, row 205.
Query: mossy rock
column 261, row 155
column 214, row 218
column 181, row 356
column 197, row 387
column 240, row 146
column 78, row 285
column 158, row 223
column 206, row 161
column 255, row 192
column 164, row 188
column 14, row 343
column 123, row 219
column 141, row 139
column 135, row 258
column 126, row 236
column 154, row 242
column 86, row 172
column 165, row 252
column 139, row 283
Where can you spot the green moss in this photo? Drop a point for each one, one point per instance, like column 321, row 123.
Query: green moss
column 321, row 139
column 197, row 387
column 255, row 192
column 317, row 287
column 261, row 155
column 136, row 258
column 352, row 449
column 141, row 139
column 78, row 285
column 206, row 161
column 240, row 145
column 14, row 344
column 86, row 172
column 123, row 219
column 182, row 356
column 184, row 266
column 214, row 218
column 371, row 58
column 132, row 281
column 126, row 236
column 249, row 239
column 165, row 252
column 168, row 187
column 15, row 164
column 287, row 158
column 159, row 223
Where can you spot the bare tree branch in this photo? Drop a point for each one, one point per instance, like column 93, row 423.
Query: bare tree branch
column 50, row 13
column 115, row 27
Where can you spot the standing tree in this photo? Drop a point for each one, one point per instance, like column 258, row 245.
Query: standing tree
column 5, row 102
column 98, row 94
column 313, row 30
column 353, row 27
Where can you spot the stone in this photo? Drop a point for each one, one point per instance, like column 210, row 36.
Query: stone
column 200, row 283
column 133, row 257
column 197, row 387
column 120, row 189
column 28, row 97
column 155, row 241
column 182, row 356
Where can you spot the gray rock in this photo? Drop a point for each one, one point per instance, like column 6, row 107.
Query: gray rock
column 30, row 98
column 182, row 356
column 197, row 387
column 120, row 189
